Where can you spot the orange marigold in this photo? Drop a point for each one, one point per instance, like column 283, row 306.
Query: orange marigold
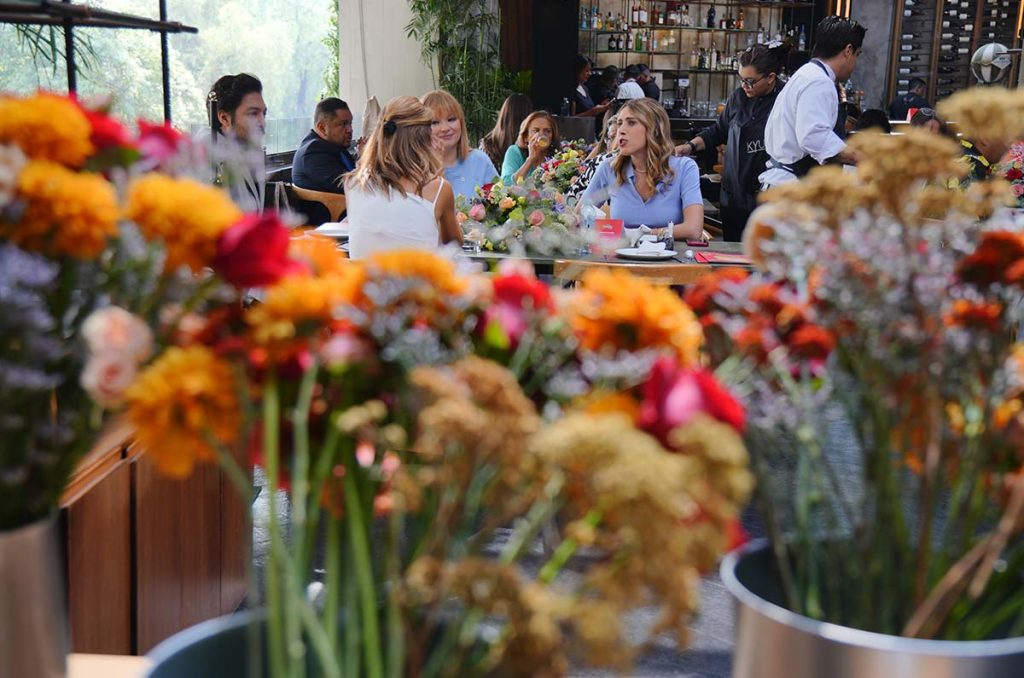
column 181, row 402
column 813, row 342
column 994, row 257
column 66, row 213
column 977, row 315
column 615, row 310
column 298, row 300
column 47, row 127
column 700, row 294
column 187, row 216
column 320, row 253
column 438, row 272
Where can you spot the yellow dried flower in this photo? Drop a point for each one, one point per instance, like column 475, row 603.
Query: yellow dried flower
column 992, row 113
column 178, row 403
column 47, row 127
column 438, row 273
column 616, row 311
column 836, row 194
column 185, row 215
column 66, row 213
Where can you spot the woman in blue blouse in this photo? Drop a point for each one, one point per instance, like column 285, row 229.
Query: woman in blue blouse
column 464, row 169
column 647, row 184
column 538, row 140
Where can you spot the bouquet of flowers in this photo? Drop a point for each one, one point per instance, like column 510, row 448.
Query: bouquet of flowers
column 1012, row 169
column 877, row 355
column 93, row 216
column 413, row 415
column 560, row 171
column 523, row 217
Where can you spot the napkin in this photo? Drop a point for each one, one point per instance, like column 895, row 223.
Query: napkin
column 371, row 114
column 651, row 246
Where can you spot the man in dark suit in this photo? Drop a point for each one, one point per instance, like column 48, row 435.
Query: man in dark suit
column 914, row 98
column 323, row 156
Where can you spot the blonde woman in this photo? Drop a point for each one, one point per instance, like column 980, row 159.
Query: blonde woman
column 464, row 169
column 397, row 198
column 538, row 140
column 645, row 183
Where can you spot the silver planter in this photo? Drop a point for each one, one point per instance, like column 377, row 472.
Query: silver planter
column 772, row 642
column 33, row 617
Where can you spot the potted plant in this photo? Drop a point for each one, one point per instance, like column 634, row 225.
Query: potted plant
column 876, row 351
column 423, row 425
column 100, row 230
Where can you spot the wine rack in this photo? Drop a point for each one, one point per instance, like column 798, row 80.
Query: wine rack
column 935, row 39
column 691, row 50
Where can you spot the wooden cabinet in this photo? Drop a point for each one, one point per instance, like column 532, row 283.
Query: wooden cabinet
column 146, row 555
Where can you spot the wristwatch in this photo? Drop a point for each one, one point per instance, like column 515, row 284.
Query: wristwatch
column 693, row 149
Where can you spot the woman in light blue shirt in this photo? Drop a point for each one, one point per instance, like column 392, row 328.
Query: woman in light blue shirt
column 647, row 184
column 538, row 140
column 464, row 169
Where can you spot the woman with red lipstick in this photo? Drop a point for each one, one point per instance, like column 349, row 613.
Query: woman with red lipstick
column 464, row 168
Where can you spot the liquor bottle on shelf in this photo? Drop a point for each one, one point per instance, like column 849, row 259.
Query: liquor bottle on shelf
column 947, row 57
column 730, row 23
column 694, row 58
column 634, row 16
column 583, row 19
column 734, row 63
column 661, row 16
column 914, row 12
column 702, row 60
column 673, row 14
column 609, row 23
column 711, row 16
column 802, row 40
column 654, row 42
column 598, row 22
column 685, row 19
column 741, row 20
column 903, row 70
column 713, row 61
column 643, row 14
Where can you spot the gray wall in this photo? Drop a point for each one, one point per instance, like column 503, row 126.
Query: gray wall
column 872, row 72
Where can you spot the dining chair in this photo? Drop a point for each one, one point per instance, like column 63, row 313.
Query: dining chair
column 334, row 202
column 572, row 270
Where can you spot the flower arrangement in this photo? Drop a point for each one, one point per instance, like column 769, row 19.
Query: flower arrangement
column 414, row 414
column 876, row 353
column 94, row 245
column 562, row 168
column 1012, row 169
column 522, row 217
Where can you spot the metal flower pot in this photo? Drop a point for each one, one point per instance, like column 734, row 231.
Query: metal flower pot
column 771, row 641
column 218, row 648
column 33, row 615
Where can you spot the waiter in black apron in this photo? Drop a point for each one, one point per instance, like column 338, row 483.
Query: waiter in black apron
column 804, row 129
column 740, row 127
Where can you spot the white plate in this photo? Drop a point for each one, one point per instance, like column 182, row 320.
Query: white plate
column 333, row 230
column 644, row 254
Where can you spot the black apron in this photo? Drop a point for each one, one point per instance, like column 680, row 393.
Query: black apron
column 745, row 160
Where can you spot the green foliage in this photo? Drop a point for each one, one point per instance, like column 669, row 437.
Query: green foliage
column 332, row 75
column 458, row 40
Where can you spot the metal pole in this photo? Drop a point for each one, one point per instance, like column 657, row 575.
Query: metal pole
column 165, row 67
column 69, row 55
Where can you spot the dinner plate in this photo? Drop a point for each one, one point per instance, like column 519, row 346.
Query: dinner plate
column 643, row 254
column 333, row 230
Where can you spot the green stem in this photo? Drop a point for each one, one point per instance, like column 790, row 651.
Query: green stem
column 565, row 551
column 300, row 471
column 275, row 635
column 396, row 634
column 357, row 524
column 332, row 583
column 526, row 529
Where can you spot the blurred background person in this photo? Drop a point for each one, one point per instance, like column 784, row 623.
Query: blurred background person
column 914, row 99
column 537, row 141
column 513, row 111
column 583, row 104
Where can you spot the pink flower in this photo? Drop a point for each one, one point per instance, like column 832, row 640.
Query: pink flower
column 343, row 349
column 536, row 218
column 159, row 143
column 461, row 218
column 113, row 329
column 477, row 212
column 107, row 375
column 1018, row 189
column 674, row 395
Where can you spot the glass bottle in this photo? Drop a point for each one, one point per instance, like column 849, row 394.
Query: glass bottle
column 711, row 16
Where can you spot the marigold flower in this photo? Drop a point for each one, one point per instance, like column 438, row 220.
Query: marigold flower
column 437, row 272
column 319, row 253
column 178, row 403
column 976, row 315
column 700, row 294
column 994, row 257
column 811, row 342
column 66, row 213
column 47, row 127
column 616, row 311
column 187, row 216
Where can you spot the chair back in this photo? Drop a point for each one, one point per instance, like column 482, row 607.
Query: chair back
column 334, row 203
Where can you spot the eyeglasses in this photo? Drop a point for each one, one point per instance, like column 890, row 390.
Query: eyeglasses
column 749, row 83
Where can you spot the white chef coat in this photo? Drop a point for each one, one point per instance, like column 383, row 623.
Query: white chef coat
column 803, row 121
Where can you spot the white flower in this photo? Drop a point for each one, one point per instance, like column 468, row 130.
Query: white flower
column 113, row 329
column 107, row 375
column 12, row 161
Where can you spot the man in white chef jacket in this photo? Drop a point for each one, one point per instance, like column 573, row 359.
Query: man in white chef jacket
column 803, row 129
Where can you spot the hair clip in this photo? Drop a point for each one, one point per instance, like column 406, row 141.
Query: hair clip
column 390, row 127
column 212, row 96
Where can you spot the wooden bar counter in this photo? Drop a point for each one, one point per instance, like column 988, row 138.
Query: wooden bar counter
column 148, row 556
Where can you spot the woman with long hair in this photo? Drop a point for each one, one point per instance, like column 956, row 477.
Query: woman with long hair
column 397, row 196
column 604, row 149
column 583, row 105
column 537, row 141
column 646, row 183
column 464, row 169
column 513, row 111
column 741, row 128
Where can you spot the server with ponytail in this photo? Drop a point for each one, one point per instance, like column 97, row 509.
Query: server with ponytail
column 741, row 128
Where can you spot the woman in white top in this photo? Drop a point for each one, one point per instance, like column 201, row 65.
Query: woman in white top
column 397, row 198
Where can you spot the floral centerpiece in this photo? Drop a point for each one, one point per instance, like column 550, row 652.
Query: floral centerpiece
column 428, row 424
column 876, row 352
column 1012, row 169
column 524, row 217
column 561, row 169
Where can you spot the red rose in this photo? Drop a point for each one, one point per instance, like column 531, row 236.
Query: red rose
column 516, row 289
column 673, row 396
column 107, row 133
column 1014, row 174
column 254, row 252
column 159, row 143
